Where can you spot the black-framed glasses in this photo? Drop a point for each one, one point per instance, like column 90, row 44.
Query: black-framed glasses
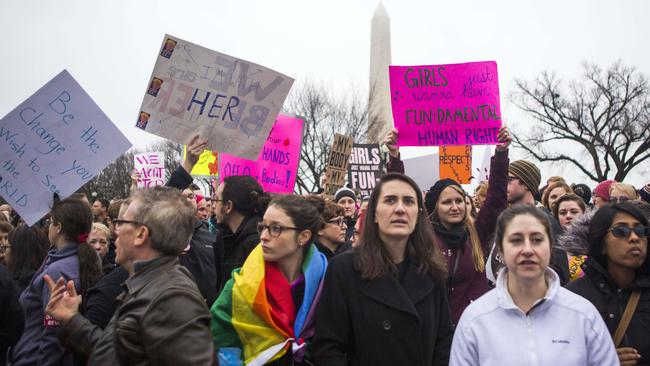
column 625, row 231
column 274, row 229
column 620, row 199
column 340, row 221
column 118, row 223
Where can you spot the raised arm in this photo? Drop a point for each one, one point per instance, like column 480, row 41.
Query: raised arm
column 497, row 194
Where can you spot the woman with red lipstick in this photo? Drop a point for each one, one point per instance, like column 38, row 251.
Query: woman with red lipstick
column 529, row 319
column 384, row 303
column 617, row 275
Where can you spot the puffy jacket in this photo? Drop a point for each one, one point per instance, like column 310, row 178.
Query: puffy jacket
column 560, row 329
column 162, row 320
column 599, row 288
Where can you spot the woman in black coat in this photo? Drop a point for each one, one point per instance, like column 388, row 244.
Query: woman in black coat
column 385, row 303
column 617, row 266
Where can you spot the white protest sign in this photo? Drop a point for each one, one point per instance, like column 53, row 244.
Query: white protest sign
column 151, row 169
column 231, row 102
column 54, row 142
column 424, row 170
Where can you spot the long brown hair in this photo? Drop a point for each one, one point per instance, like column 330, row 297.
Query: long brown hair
column 372, row 258
column 475, row 241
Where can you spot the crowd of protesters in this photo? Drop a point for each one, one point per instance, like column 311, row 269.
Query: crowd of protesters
column 511, row 274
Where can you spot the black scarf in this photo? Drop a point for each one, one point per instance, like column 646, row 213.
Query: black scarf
column 455, row 237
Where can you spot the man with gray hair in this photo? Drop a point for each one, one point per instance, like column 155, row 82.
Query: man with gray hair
column 162, row 318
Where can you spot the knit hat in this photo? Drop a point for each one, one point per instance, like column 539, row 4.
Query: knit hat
column 344, row 192
column 528, row 173
column 602, row 189
column 432, row 196
column 583, row 191
column 645, row 193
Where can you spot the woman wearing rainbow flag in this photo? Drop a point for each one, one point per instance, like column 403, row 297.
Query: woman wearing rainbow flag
column 384, row 303
column 267, row 307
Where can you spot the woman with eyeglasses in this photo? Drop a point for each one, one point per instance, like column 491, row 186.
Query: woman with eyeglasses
column 267, row 308
column 333, row 228
column 617, row 278
column 384, row 302
column 621, row 192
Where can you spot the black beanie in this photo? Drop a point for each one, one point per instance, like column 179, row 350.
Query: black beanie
column 432, row 196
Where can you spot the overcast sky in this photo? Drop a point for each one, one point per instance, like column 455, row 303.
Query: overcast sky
column 110, row 46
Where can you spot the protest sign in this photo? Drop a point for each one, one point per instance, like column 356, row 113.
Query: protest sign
column 482, row 172
column 424, row 170
column 456, row 163
column 365, row 167
column 150, row 167
column 455, row 104
column 276, row 167
column 207, row 165
column 54, row 142
column 337, row 164
column 231, row 102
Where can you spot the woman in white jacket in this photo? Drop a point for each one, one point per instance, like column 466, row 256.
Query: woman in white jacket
column 528, row 319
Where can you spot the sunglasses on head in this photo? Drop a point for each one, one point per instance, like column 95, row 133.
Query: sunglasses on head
column 620, row 199
column 625, row 231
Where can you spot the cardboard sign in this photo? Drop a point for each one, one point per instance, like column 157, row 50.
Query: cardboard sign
column 207, row 165
column 456, row 104
column 54, row 142
column 365, row 167
column 151, row 168
column 231, row 102
column 456, row 163
column 337, row 164
column 424, row 170
column 276, row 167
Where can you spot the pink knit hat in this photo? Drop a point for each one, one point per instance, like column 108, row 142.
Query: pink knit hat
column 602, row 189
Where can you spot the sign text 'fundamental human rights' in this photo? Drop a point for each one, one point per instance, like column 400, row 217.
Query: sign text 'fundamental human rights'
column 455, row 104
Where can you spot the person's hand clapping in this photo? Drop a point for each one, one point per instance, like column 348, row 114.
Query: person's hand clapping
column 64, row 301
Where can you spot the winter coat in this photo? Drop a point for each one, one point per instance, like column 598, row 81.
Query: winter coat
column 598, row 287
column 39, row 345
column 11, row 314
column 467, row 284
column 101, row 299
column 162, row 320
column 232, row 249
column 199, row 259
column 380, row 321
column 560, row 329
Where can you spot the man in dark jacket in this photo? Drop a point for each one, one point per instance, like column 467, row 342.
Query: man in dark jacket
column 240, row 205
column 198, row 256
column 162, row 319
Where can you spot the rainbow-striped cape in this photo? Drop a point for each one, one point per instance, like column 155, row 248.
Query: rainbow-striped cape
column 256, row 313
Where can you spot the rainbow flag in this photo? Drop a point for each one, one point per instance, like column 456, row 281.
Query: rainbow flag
column 255, row 311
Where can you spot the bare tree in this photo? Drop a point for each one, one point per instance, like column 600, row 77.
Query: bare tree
column 602, row 122
column 114, row 181
column 323, row 115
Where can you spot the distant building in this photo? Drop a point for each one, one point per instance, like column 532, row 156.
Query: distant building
column 380, row 115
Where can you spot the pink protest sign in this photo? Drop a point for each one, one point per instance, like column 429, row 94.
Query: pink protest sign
column 276, row 167
column 455, row 104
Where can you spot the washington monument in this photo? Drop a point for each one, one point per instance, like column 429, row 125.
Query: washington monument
column 380, row 116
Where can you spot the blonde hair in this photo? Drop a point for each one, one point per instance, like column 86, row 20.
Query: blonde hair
column 474, row 240
column 101, row 228
column 628, row 189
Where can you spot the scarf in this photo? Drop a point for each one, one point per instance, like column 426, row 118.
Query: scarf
column 256, row 312
column 455, row 237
